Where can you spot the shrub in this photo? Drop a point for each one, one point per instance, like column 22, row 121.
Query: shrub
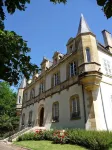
column 48, row 135
column 26, row 136
column 94, row 140
column 60, row 137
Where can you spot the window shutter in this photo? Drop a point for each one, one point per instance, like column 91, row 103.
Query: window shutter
column 67, row 71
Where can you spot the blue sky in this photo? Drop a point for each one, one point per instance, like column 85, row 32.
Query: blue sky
column 47, row 27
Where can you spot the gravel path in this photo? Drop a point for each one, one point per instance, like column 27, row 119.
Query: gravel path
column 5, row 146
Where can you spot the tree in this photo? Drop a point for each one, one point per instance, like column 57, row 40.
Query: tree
column 106, row 7
column 14, row 61
column 8, row 119
column 105, row 4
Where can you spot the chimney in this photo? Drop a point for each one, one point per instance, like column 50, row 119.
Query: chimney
column 107, row 38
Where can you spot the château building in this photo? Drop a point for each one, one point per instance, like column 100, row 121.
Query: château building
column 74, row 90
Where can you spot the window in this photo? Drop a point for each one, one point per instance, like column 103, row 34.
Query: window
column 23, row 119
column 55, row 112
column 107, row 67
column 74, row 107
column 73, row 69
column 30, row 118
column 56, row 79
column 19, row 99
column 32, row 94
column 88, row 56
column 71, row 48
column 42, row 88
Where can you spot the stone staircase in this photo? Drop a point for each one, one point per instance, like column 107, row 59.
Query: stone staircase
column 26, row 130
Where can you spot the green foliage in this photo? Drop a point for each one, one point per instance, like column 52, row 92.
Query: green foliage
column 106, row 7
column 38, row 135
column 60, row 137
column 14, row 60
column 11, row 6
column 58, row 1
column 48, row 135
column 94, row 140
column 8, row 119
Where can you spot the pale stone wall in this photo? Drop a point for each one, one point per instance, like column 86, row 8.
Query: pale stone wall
column 102, row 98
column 64, row 109
column 48, row 82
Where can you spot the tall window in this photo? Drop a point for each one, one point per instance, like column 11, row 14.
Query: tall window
column 107, row 67
column 42, row 88
column 73, row 69
column 88, row 56
column 30, row 118
column 55, row 112
column 23, row 119
column 74, row 107
column 56, row 79
column 19, row 99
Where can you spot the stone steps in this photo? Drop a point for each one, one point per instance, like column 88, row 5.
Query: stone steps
column 26, row 130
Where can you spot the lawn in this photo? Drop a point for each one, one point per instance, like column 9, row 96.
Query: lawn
column 47, row 145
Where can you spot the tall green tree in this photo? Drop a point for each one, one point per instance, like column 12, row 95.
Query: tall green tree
column 8, row 119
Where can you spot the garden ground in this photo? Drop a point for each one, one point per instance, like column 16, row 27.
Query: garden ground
column 47, row 145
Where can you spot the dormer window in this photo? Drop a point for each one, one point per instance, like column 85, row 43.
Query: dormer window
column 71, row 48
column 88, row 55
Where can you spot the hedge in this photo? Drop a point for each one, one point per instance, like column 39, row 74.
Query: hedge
column 94, row 140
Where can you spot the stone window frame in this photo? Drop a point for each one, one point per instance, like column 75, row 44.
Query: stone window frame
column 73, row 64
column 42, row 88
column 75, row 115
column 54, row 81
column 68, row 74
column 88, row 55
column 55, row 118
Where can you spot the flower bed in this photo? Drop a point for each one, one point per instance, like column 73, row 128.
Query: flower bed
column 94, row 140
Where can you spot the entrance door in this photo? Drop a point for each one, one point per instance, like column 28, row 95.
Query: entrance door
column 41, row 117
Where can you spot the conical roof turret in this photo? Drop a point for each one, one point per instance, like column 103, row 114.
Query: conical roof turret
column 83, row 26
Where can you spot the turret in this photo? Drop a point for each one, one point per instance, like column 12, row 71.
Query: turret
column 89, row 66
column 20, row 96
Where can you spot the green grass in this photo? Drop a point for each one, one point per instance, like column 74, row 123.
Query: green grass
column 47, row 145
